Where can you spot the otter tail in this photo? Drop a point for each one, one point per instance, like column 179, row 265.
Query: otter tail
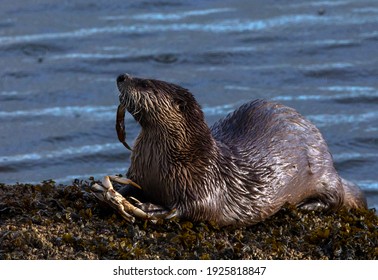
column 354, row 197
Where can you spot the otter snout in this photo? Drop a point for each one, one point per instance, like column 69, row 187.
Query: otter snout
column 121, row 79
column 124, row 82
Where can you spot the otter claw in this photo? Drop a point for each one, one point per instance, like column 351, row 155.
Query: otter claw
column 109, row 195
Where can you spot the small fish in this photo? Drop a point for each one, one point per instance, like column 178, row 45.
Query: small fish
column 120, row 125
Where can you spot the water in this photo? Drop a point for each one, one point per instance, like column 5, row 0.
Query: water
column 59, row 61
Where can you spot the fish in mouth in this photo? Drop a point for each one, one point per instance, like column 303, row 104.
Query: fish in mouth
column 120, row 125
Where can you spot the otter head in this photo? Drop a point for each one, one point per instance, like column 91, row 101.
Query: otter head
column 159, row 105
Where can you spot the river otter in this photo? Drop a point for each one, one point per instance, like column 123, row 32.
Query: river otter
column 240, row 171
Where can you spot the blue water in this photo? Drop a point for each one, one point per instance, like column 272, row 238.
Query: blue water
column 59, row 61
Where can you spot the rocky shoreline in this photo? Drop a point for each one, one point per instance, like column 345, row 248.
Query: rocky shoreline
column 47, row 221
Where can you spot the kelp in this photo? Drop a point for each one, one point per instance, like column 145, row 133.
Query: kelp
column 49, row 221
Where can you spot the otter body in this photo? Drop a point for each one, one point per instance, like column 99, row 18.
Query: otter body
column 241, row 170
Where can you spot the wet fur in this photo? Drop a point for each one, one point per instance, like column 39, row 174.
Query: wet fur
column 241, row 170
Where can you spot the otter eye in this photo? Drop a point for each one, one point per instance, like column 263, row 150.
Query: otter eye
column 144, row 85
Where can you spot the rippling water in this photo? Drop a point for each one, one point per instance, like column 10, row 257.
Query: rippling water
column 59, row 61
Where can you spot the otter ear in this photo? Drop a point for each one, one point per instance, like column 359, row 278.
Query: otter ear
column 181, row 103
column 182, row 106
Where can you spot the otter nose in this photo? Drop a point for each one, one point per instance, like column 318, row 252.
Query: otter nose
column 123, row 77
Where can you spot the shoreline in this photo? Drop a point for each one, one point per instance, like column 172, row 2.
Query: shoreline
column 49, row 221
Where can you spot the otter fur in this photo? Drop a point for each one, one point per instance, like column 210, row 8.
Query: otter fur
column 241, row 170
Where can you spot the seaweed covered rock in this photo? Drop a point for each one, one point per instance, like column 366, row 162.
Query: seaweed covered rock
column 46, row 221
